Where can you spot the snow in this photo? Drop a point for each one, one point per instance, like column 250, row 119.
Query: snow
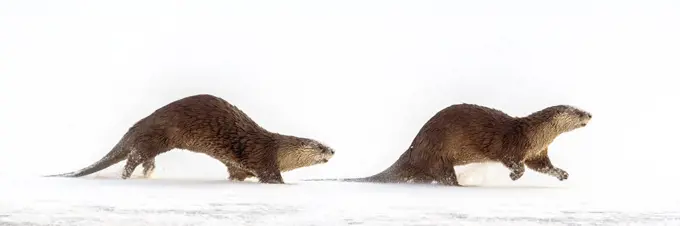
column 109, row 201
column 359, row 76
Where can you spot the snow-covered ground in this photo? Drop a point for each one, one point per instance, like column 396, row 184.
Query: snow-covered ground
column 58, row 201
column 110, row 201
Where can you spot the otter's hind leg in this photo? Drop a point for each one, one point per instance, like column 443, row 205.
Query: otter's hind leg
column 421, row 179
column 236, row 173
column 144, row 151
column 149, row 166
column 444, row 173
column 449, row 177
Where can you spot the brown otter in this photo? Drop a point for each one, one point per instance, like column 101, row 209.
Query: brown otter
column 465, row 133
column 212, row 126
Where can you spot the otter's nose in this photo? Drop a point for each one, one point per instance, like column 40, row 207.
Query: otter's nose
column 330, row 151
column 589, row 115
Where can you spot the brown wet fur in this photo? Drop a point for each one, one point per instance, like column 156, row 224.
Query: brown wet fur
column 466, row 133
column 210, row 125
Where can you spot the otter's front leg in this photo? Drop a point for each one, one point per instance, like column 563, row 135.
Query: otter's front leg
column 542, row 164
column 516, row 168
column 270, row 176
column 267, row 170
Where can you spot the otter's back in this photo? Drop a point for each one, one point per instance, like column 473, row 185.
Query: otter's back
column 198, row 119
column 468, row 132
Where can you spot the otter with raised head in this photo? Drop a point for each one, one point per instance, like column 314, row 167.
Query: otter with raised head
column 465, row 133
column 212, row 126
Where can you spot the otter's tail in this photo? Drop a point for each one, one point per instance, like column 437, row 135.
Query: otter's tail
column 117, row 154
column 381, row 177
column 392, row 174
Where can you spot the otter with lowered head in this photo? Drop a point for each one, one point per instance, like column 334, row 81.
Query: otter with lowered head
column 466, row 133
column 210, row 125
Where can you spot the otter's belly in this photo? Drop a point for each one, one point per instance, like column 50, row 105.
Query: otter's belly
column 466, row 156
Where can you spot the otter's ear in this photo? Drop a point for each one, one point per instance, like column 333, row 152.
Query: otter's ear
column 309, row 144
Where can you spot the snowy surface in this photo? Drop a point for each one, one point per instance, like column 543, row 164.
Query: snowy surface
column 108, row 201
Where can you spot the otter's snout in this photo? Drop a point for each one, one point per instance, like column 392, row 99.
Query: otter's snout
column 585, row 117
column 584, row 114
column 327, row 154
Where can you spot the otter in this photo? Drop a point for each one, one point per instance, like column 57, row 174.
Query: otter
column 467, row 133
column 210, row 125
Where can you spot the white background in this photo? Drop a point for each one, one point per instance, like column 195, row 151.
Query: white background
column 360, row 76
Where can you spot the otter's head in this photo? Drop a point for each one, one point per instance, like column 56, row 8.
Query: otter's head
column 568, row 118
column 300, row 152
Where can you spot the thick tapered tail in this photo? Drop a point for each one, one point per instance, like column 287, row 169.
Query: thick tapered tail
column 392, row 174
column 117, row 154
column 378, row 178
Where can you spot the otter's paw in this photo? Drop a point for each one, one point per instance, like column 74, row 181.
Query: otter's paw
column 271, row 178
column 231, row 178
column 449, row 183
column 272, row 181
column 514, row 175
column 238, row 177
column 455, row 184
column 561, row 174
column 148, row 174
